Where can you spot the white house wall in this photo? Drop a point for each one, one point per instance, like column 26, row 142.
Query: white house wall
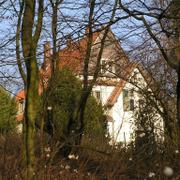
column 121, row 128
column 105, row 92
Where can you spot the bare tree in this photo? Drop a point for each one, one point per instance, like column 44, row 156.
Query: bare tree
column 54, row 26
column 30, row 32
column 92, row 25
column 162, row 25
column 87, row 85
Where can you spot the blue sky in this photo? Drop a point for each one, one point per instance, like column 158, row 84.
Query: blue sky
column 78, row 13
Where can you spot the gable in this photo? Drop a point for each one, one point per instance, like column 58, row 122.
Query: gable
column 72, row 56
column 113, row 54
column 121, row 84
column 134, row 75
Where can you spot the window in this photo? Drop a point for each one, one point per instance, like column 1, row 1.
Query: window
column 103, row 66
column 131, row 105
column 97, row 95
column 134, row 78
column 131, row 93
column 110, row 67
column 128, row 100
column 141, row 103
column 125, row 100
column 107, row 66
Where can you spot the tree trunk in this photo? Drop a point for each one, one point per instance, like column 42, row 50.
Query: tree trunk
column 178, row 99
column 80, row 117
column 54, row 33
column 30, row 34
column 31, row 110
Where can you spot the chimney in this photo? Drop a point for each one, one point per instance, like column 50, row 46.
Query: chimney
column 47, row 51
column 47, row 55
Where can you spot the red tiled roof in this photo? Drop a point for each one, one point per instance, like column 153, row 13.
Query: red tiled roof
column 73, row 55
column 20, row 95
column 115, row 93
column 119, row 87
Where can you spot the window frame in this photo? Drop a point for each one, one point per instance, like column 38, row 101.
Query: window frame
column 107, row 66
column 128, row 100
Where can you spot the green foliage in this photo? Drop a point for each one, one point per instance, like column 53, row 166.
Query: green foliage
column 148, row 123
column 8, row 112
column 148, row 132
column 94, row 118
column 63, row 96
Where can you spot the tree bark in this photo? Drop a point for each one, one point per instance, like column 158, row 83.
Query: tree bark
column 31, row 109
column 178, row 99
column 29, row 40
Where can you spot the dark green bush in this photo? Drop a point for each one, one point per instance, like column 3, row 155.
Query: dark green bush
column 8, row 110
column 63, row 97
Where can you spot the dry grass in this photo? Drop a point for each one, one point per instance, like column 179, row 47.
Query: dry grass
column 104, row 163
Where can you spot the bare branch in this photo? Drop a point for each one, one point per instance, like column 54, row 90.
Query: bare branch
column 18, row 57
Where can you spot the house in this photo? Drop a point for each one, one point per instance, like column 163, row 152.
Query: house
column 117, row 87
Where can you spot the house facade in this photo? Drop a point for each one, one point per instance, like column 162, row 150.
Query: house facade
column 117, row 87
